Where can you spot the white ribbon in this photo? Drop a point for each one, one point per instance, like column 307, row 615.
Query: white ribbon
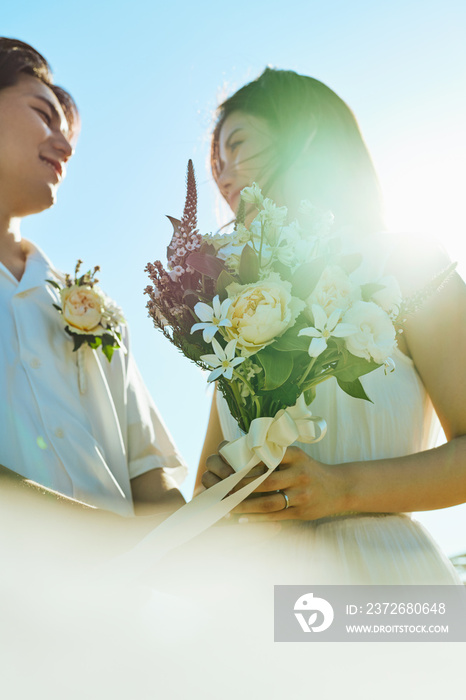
column 81, row 360
column 268, row 438
column 266, row 441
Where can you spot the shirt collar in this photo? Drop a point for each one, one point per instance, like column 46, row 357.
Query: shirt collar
column 38, row 269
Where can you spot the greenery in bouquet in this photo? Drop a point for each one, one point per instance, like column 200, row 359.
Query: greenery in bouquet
column 274, row 309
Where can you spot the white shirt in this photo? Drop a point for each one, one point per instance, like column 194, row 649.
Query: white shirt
column 85, row 445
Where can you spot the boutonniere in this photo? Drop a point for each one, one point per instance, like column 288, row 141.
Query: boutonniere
column 90, row 316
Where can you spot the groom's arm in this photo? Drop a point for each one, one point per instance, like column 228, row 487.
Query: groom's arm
column 155, row 492
column 14, row 483
column 35, row 513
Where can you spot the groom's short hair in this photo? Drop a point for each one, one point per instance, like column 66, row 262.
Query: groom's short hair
column 17, row 57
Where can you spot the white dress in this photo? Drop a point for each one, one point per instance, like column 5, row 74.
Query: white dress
column 378, row 548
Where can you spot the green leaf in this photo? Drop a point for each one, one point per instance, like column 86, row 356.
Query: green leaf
column 309, row 395
column 349, row 368
column 108, row 350
column 248, row 265
column 306, row 277
column 367, row 290
column 277, row 367
column 354, row 389
column 207, row 265
column 94, row 343
column 223, row 280
column 78, row 340
column 54, row 284
column 290, row 342
column 283, row 270
column 349, row 263
column 58, row 308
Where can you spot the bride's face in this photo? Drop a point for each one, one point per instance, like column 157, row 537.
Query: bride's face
column 246, row 155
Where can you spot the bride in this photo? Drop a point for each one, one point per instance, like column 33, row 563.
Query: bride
column 344, row 503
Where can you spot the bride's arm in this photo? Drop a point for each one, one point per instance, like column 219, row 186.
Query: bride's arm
column 435, row 337
column 436, row 478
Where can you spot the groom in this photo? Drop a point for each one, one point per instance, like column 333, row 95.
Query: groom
column 98, row 446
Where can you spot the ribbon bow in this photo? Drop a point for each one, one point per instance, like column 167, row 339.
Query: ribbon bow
column 266, row 441
column 268, row 438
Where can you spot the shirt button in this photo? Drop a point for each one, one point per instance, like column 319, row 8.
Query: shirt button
column 59, row 432
column 35, row 363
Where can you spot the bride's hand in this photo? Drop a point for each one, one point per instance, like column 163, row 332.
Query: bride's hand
column 311, row 489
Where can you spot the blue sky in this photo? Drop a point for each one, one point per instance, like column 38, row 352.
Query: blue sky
column 147, row 77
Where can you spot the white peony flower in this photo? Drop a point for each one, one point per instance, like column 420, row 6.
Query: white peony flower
column 82, row 309
column 334, row 290
column 324, row 329
column 375, row 336
column 213, row 317
column 224, row 361
column 260, row 312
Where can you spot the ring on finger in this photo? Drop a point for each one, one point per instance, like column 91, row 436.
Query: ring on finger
column 287, row 500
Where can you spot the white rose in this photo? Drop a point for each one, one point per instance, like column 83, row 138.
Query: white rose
column 375, row 337
column 389, row 298
column 82, row 309
column 260, row 312
column 334, row 290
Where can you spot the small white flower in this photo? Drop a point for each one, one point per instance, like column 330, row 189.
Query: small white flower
column 252, row 195
column 213, row 317
column 271, row 214
column 324, row 329
column 224, row 361
column 241, row 235
column 177, row 271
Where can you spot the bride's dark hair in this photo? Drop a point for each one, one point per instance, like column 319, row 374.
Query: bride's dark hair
column 17, row 57
column 314, row 128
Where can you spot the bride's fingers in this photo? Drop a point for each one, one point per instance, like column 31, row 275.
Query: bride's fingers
column 209, row 479
column 218, row 466
column 270, row 503
column 277, row 480
column 252, row 476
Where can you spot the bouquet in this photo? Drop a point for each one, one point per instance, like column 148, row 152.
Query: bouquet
column 272, row 310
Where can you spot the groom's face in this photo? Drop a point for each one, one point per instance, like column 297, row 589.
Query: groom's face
column 34, row 147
